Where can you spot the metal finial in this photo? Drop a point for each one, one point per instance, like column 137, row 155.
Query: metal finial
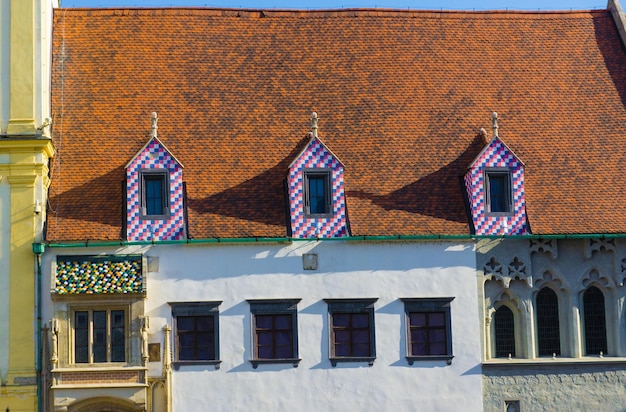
column 494, row 123
column 314, row 120
column 155, row 119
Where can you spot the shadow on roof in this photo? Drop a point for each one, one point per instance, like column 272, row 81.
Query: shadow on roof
column 261, row 199
column 438, row 194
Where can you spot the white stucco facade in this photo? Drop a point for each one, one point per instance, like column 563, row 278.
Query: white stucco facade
column 234, row 273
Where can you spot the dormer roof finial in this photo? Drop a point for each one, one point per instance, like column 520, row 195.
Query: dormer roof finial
column 314, row 120
column 154, row 127
column 494, row 123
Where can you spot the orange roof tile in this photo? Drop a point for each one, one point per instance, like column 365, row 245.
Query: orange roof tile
column 400, row 95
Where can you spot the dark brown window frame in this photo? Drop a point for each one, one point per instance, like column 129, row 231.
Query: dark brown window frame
column 196, row 309
column 163, row 175
column 326, row 174
column 274, row 307
column 428, row 305
column 489, row 174
column 351, row 306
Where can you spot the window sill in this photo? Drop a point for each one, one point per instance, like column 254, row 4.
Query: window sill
column 447, row 358
column 369, row 359
column 256, row 362
column 178, row 364
column 94, row 367
column 318, row 216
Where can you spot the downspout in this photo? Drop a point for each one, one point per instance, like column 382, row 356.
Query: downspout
column 38, row 249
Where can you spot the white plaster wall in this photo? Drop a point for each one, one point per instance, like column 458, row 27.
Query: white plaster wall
column 388, row 272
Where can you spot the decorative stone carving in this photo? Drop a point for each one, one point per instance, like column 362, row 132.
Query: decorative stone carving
column 548, row 246
column 493, row 268
column 595, row 276
column 599, row 245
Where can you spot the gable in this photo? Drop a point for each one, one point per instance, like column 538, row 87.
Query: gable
column 316, row 156
column 154, row 157
column 496, row 159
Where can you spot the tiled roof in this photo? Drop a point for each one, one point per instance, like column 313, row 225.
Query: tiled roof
column 400, row 95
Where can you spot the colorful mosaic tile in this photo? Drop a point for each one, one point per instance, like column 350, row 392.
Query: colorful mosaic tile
column 496, row 155
column 316, row 155
column 154, row 156
column 97, row 275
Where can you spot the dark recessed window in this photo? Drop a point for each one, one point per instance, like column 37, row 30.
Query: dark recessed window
column 429, row 331
column 317, row 193
column 595, row 321
column 352, row 336
column 504, row 327
column 196, row 331
column 99, row 336
column 275, row 331
column 154, row 193
column 498, row 187
column 548, row 331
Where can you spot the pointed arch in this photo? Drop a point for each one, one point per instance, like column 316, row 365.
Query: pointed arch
column 548, row 327
column 594, row 320
column 504, row 332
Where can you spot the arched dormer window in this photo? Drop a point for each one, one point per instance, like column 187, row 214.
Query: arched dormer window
column 594, row 318
column 548, row 330
column 504, row 332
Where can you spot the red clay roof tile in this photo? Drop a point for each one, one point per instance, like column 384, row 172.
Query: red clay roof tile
column 400, row 95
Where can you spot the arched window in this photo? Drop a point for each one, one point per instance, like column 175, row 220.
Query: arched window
column 504, row 324
column 548, row 332
column 595, row 321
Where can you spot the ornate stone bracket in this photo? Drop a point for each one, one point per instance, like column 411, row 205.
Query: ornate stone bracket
column 548, row 246
column 599, row 245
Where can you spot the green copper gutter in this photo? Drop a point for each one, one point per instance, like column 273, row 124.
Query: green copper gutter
column 396, row 238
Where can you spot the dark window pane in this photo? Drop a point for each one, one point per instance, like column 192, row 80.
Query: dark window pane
column 595, row 321
column 205, row 323
column 265, row 352
column 360, row 320
column 185, row 323
column 342, row 336
column 317, row 194
column 283, row 338
column 264, row 338
column 283, row 322
column 548, row 332
column 417, row 319
column 428, row 334
column 498, row 192
column 284, row 352
column 99, row 320
column 264, row 321
column 361, row 349
column 504, row 324
column 342, row 350
column 186, row 353
column 154, row 192
column 341, row 319
column 361, row 336
column 81, row 337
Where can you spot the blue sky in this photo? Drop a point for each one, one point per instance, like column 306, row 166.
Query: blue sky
column 337, row 4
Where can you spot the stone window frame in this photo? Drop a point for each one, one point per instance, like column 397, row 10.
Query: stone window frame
column 198, row 308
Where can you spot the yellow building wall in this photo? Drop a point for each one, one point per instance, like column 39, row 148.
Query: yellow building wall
column 25, row 150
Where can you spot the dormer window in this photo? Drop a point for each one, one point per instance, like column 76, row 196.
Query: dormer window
column 154, row 194
column 317, row 192
column 498, row 191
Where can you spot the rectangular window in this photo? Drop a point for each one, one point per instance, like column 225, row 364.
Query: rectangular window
column 99, row 336
column 196, row 331
column 154, row 193
column 498, row 188
column 274, row 331
column 429, row 330
column 352, row 337
column 317, row 194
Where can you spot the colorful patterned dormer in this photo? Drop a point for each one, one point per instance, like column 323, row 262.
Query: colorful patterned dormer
column 154, row 194
column 317, row 202
column 79, row 275
column 495, row 186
